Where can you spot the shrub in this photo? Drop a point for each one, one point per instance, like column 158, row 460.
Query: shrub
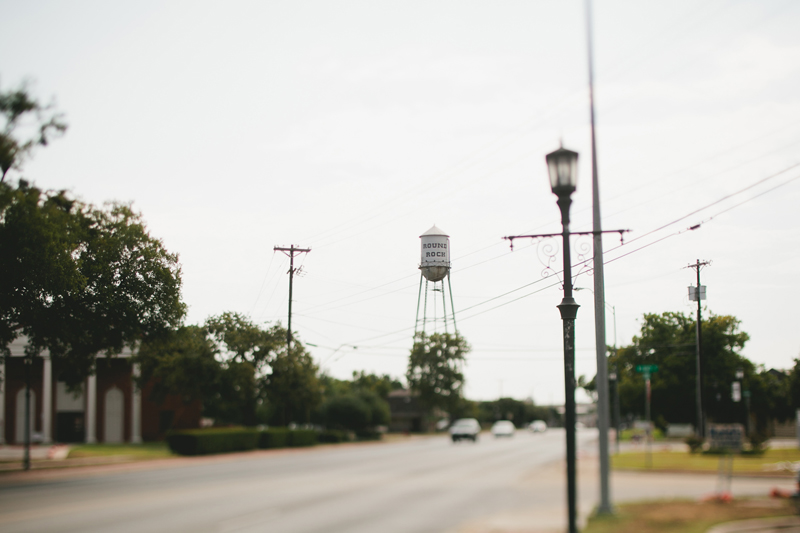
column 758, row 444
column 273, row 438
column 334, row 435
column 347, row 411
column 695, row 443
column 302, row 437
column 369, row 434
column 215, row 440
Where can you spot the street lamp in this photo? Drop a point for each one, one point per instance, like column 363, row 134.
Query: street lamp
column 746, row 394
column 562, row 166
column 614, row 379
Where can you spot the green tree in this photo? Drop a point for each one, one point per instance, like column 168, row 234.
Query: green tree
column 79, row 280
column 292, row 387
column 434, row 369
column 347, row 411
column 240, row 340
column 668, row 340
column 380, row 385
column 14, row 106
column 180, row 361
column 245, row 351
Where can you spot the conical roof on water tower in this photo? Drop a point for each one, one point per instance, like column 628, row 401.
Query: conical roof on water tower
column 435, row 259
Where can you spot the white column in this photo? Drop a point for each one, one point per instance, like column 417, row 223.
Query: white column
column 136, row 409
column 47, row 400
column 91, row 409
column 3, row 378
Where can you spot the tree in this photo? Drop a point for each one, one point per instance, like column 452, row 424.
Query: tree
column 245, row 352
column 668, row 340
column 347, row 411
column 241, row 341
column 180, row 361
column 14, row 105
column 434, row 369
column 292, row 387
column 79, row 280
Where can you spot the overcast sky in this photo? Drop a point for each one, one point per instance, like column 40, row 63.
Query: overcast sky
column 352, row 127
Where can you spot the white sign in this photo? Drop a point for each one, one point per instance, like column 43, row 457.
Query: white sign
column 726, row 436
column 736, row 391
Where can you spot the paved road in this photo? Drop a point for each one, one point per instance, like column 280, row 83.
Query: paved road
column 425, row 485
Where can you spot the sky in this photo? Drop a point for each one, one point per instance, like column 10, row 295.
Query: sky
column 352, row 127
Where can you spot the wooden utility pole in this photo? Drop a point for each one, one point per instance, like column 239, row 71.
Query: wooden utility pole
column 699, row 294
column 291, row 251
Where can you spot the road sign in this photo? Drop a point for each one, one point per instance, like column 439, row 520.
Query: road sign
column 646, row 369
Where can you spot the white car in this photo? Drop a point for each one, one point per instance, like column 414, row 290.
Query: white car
column 465, row 428
column 538, row 426
column 503, row 428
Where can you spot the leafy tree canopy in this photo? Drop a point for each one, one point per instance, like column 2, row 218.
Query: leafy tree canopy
column 292, row 387
column 239, row 340
column 668, row 340
column 80, row 280
column 435, row 369
column 16, row 105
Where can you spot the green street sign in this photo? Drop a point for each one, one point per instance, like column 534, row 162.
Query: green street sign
column 646, row 369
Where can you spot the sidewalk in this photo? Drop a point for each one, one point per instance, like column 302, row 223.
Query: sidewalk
column 545, row 510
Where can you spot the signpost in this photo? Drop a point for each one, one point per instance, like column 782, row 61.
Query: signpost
column 647, row 370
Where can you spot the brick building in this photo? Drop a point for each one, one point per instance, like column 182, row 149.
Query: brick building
column 108, row 408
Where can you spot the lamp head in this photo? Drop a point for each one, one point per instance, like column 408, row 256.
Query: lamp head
column 562, row 165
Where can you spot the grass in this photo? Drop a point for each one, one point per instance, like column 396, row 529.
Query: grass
column 684, row 516
column 629, row 434
column 138, row 452
column 686, row 462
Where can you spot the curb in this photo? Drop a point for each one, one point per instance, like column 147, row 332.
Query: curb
column 781, row 523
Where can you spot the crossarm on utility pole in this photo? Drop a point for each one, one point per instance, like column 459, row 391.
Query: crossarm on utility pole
column 291, row 251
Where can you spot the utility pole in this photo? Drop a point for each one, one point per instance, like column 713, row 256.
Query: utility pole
column 599, row 299
column 698, row 294
column 291, row 252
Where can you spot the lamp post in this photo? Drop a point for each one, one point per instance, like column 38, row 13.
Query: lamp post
column 562, row 165
column 613, row 378
column 741, row 392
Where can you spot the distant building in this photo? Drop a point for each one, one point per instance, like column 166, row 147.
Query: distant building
column 108, row 409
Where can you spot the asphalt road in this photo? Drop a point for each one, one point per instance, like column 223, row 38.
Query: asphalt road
column 416, row 486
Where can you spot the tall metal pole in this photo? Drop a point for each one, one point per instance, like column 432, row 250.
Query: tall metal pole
column 452, row 306
column 569, row 310
column 291, row 252
column 26, row 457
column 648, row 435
column 419, row 299
column 616, row 410
column 599, row 296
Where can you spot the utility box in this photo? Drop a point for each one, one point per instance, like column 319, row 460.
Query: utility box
column 693, row 293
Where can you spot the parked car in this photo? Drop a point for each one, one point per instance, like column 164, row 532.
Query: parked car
column 538, row 426
column 465, row 428
column 503, row 428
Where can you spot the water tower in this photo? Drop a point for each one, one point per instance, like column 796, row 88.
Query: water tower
column 434, row 269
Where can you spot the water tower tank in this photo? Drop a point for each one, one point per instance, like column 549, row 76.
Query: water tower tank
column 435, row 254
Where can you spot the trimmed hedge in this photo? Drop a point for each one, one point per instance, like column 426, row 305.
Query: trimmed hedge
column 273, row 438
column 302, row 437
column 215, row 440
column 369, row 434
column 334, row 436
column 223, row 440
